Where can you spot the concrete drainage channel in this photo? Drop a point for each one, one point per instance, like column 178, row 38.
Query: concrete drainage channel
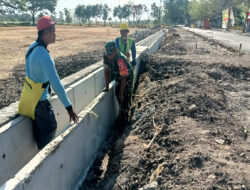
column 64, row 162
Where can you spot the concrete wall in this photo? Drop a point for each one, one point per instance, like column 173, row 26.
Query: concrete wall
column 84, row 91
column 17, row 145
column 70, row 146
column 70, row 154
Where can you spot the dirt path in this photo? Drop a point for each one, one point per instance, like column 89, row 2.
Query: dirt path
column 193, row 101
column 230, row 38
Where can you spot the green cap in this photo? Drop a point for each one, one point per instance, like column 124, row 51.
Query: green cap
column 110, row 47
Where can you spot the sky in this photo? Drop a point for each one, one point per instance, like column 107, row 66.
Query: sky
column 71, row 4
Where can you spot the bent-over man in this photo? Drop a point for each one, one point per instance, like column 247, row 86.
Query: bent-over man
column 116, row 63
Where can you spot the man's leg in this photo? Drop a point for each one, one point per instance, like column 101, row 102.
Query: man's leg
column 126, row 105
column 44, row 125
column 119, row 119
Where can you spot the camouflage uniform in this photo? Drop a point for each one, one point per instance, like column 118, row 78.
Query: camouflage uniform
column 119, row 67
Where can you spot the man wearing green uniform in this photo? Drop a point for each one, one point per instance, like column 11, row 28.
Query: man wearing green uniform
column 116, row 63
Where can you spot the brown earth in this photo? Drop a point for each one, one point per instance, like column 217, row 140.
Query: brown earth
column 194, row 98
column 76, row 47
column 70, row 40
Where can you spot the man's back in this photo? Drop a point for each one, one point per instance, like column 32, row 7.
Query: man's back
column 36, row 62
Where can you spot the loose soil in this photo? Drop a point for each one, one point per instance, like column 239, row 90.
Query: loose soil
column 75, row 48
column 193, row 101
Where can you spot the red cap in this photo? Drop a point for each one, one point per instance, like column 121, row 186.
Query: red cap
column 44, row 22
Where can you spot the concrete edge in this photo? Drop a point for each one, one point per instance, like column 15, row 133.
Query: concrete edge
column 25, row 175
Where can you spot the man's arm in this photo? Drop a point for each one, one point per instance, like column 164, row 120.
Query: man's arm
column 133, row 50
column 122, row 87
column 52, row 75
column 106, row 74
column 117, row 43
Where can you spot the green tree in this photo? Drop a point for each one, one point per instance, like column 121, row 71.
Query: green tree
column 10, row 6
column 83, row 12
column 105, row 13
column 61, row 17
column 35, row 6
column 123, row 12
column 177, row 11
column 96, row 11
column 244, row 6
column 156, row 12
column 41, row 14
column 117, row 12
column 68, row 18
column 126, row 11
column 79, row 12
column 88, row 13
column 110, row 21
column 195, row 10
column 148, row 14
column 137, row 11
column 206, row 9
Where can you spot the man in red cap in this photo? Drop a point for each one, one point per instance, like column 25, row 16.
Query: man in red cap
column 40, row 73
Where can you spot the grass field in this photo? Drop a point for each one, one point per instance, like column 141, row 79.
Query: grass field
column 70, row 40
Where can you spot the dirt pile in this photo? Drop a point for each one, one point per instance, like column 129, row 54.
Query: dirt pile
column 188, row 127
column 142, row 34
column 172, row 46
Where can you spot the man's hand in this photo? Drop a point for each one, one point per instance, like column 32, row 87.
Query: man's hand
column 72, row 116
column 127, row 54
column 106, row 89
column 106, row 74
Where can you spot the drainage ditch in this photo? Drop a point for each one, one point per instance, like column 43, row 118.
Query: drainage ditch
column 187, row 128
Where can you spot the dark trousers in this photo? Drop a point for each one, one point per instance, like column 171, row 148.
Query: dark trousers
column 44, row 125
column 124, row 108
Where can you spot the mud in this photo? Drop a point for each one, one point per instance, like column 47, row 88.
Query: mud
column 189, row 123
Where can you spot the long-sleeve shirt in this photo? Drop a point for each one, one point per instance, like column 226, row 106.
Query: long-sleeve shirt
column 40, row 68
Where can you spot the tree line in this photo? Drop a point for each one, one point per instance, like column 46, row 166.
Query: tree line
column 212, row 10
column 29, row 9
column 171, row 12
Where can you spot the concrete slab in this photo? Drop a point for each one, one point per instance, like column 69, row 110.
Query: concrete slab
column 17, row 146
column 60, row 112
column 8, row 113
column 84, row 92
column 99, row 81
column 62, row 162
column 96, row 130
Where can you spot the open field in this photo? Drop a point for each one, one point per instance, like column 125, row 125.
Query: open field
column 70, row 40
column 76, row 47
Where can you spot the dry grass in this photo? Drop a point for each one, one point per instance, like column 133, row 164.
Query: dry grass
column 70, row 40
